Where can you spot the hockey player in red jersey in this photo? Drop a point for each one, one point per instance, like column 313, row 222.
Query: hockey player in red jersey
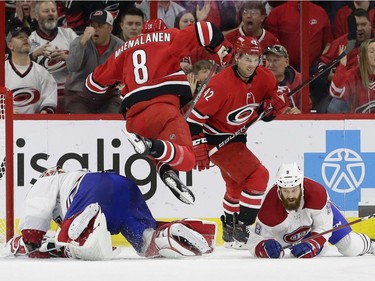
column 296, row 208
column 155, row 88
column 233, row 98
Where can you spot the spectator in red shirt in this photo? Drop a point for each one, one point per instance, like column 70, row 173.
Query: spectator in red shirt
column 340, row 25
column 253, row 14
column 284, row 22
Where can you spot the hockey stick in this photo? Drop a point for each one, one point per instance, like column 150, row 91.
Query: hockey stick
column 204, row 85
column 352, row 38
column 238, row 132
column 330, row 230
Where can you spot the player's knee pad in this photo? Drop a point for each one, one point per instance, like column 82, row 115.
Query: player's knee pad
column 176, row 240
column 85, row 236
column 354, row 244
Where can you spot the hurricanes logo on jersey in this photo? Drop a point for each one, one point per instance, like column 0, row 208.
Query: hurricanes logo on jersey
column 241, row 115
column 25, row 96
column 53, row 65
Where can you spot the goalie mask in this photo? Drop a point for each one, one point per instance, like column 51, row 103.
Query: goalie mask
column 289, row 175
column 248, row 45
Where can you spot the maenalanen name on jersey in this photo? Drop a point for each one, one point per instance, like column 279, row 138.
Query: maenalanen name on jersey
column 152, row 37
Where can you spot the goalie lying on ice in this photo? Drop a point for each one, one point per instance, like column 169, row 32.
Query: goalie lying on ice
column 91, row 206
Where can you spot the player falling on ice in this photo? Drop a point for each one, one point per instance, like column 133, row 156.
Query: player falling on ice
column 89, row 207
column 155, row 88
column 297, row 208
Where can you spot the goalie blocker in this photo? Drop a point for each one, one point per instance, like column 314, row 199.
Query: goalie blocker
column 85, row 233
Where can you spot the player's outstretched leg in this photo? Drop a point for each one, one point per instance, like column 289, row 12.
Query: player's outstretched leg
column 140, row 144
column 174, row 183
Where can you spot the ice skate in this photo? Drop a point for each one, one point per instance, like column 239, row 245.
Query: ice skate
column 140, row 144
column 171, row 179
column 227, row 233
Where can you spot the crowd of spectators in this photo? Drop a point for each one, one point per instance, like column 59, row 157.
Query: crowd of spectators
column 69, row 41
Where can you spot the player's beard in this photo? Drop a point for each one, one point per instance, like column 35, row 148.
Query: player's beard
column 291, row 204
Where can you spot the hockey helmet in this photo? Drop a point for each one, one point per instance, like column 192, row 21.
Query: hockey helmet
column 153, row 25
column 247, row 45
column 289, row 175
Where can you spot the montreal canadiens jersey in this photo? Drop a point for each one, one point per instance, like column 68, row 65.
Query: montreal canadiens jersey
column 228, row 103
column 287, row 227
column 49, row 197
column 32, row 86
column 61, row 39
column 149, row 65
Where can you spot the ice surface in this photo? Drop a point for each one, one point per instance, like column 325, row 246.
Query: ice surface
column 223, row 264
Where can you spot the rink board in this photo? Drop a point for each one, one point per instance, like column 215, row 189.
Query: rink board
column 340, row 154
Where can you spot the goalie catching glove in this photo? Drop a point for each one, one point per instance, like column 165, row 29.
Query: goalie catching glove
column 201, row 152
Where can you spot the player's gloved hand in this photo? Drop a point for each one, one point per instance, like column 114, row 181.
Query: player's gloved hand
column 224, row 51
column 269, row 248
column 201, row 152
column 17, row 246
column 308, row 249
column 266, row 109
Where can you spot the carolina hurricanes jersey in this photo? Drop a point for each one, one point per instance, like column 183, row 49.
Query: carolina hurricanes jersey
column 287, row 227
column 149, row 65
column 265, row 39
column 61, row 39
column 32, row 86
column 228, row 103
column 347, row 85
column 50, row 196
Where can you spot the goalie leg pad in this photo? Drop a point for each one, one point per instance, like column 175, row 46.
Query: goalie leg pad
column 175, row 240
column 93, row 242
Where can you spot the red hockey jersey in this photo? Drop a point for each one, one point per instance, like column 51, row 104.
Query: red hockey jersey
column 149, row 65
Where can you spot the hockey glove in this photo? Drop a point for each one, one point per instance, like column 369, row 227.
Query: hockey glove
column 269, row 249
column 224, row 53
column 308, row 249
column 265, row 108
column 201, row 152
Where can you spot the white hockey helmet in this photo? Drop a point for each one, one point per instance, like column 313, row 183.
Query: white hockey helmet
column 289, row 175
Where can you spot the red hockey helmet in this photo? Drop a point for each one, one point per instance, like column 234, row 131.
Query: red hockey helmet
column 153, row 25
column 247, row 45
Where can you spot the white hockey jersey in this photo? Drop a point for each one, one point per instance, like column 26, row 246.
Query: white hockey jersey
column 32, row 86
column 288, row 227
column 60, row 39
column 50, row 195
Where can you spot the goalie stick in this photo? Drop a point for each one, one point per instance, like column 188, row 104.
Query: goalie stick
column 352, row 35
column 329, row 231
column 352, row 38
column 204, row 85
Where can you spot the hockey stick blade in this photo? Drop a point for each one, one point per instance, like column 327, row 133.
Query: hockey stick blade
column 330, row 230
column 204, row 85
column 352, row 38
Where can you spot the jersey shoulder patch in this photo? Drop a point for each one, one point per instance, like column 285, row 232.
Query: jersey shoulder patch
column 315, row 195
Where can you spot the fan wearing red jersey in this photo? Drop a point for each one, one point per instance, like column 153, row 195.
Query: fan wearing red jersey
column 297, row 213
column 232, row 99
column 155, row 88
